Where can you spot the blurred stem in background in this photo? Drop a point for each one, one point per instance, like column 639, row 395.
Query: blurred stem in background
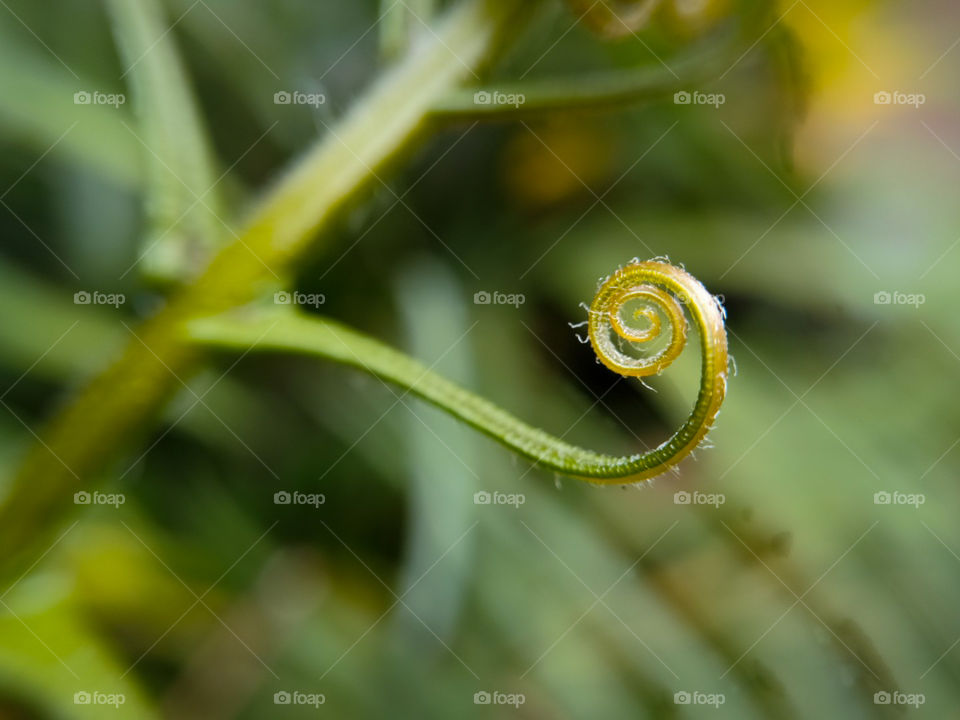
column 183, row 207
column 443, row 460
column 400, row 22
column 283, row 227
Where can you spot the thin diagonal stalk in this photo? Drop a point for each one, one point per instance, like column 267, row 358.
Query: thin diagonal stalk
column 183, row 231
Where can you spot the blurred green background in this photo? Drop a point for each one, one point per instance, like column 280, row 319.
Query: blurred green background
column 802, row 199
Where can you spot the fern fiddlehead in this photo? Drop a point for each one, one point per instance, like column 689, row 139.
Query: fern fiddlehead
column 635, row 306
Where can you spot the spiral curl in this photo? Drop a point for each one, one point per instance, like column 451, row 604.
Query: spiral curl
column 661, row 289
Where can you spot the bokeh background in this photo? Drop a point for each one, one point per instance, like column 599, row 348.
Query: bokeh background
column 802, row 199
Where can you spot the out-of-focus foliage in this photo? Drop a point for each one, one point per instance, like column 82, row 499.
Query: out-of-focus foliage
column 799, row 199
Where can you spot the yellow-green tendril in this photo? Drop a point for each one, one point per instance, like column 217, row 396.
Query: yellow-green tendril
column 653, row 289
column 633, row 306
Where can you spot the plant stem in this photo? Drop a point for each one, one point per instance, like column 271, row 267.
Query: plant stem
column 181, row 199
column 118, row 404
column 610, row 88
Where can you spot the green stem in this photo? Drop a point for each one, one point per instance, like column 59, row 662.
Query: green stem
column 604, row 89
column 118, row 404
column 609, row 88
column 182, row 196
column 320, row 337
